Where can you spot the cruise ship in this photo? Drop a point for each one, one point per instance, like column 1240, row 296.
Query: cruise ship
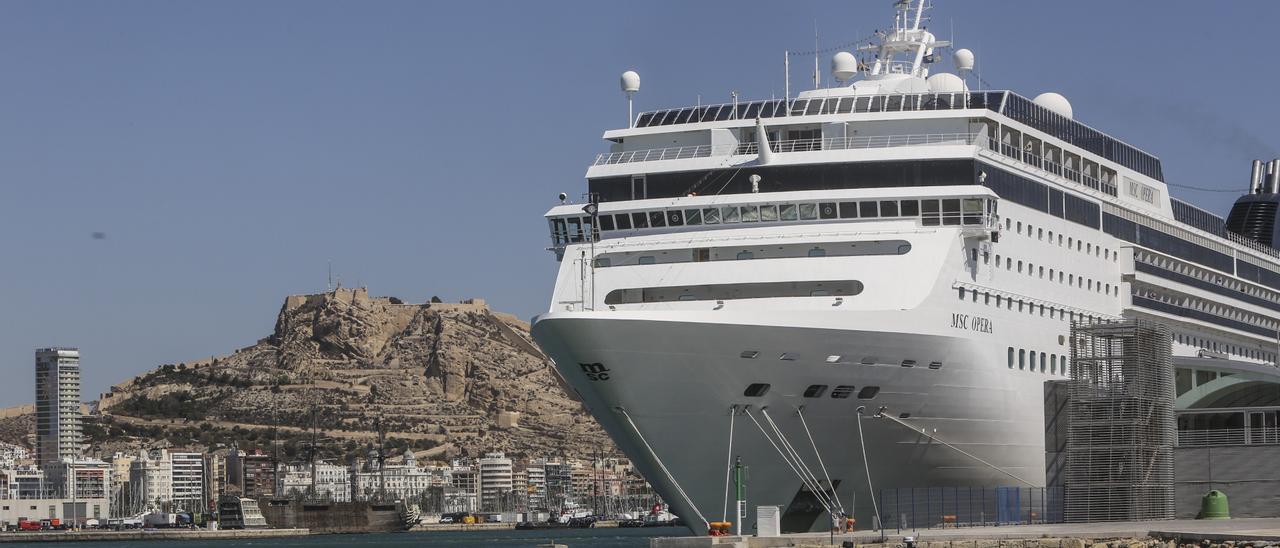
column 866, row 286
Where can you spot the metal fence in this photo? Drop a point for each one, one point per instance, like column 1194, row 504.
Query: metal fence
column 1120, row 433
column 940, row 507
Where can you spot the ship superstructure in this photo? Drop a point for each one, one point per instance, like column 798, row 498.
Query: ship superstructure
column 751, row 278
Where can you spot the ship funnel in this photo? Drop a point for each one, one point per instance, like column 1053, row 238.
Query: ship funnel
column 1272, row 183
column 1255, row 178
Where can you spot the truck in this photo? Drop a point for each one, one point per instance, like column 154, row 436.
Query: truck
column 29, row 525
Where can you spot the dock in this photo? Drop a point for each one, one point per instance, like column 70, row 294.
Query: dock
column 1137, row 534
column 152, row 534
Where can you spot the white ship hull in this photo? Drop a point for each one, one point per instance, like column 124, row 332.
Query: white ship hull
column 677, row 380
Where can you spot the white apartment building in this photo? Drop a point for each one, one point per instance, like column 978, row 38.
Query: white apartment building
column 495, row 481
column 401, row 481
column 150, row 481
column 332, row 482
column 187, row 481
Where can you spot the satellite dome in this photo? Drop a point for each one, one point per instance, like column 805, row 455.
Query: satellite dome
column 963, row 59
column 944, row 82
column 1054, row 102
column 911, row 84
column 843, row 66
column 630, row 81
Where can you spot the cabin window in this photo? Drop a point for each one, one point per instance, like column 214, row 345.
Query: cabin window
column 815, row 391
column 657, row 219
column 606, row 222
column 841, row 392
column 768, row 213
column 640, row 220
column 750, row 214
column 646, row 259
column 744, row 255
column 787, row 212
column 711, row 216
column 693, row 216
column 730, row 215
column 808, row 212
column 817, row 252
column 848, row 210
column 749, row 354
column 867, row 209
column 868, row 392
column 623, row 221
column 756, row 390
column 909, row 208
column 888, row 209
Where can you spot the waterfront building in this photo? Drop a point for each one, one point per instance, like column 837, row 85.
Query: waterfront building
column 252, row 474
column 24, row 482
column 536, row 485
column 215, row 478
column 58, row 429
column 70, row 511
column 329, row 481
column 400, row 481
column 495, row 482
column 188, row 481
column 150, row 482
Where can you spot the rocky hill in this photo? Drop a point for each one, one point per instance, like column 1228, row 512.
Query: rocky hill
column 443, row 379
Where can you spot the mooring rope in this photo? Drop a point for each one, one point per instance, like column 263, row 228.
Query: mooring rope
column 958, row 450
column 821, row 464
column 875, row 506
column 728, row 466
column 787, row 459
column 670, row 477
column 829, row 504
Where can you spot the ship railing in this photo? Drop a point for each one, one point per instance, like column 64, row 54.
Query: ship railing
column 1033, row 160
column 793, row 145
column 1229, row 436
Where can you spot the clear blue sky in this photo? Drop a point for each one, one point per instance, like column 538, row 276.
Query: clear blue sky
column 229, row 150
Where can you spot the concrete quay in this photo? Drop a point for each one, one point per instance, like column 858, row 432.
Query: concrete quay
column 1261, row 531
column 463, row 527
column 154, row 534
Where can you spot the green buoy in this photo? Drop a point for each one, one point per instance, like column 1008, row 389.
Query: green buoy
column 1214, row 506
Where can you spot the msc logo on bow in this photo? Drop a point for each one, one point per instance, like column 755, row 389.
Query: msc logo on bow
column 595, row 371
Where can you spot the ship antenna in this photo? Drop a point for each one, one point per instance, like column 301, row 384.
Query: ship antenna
column 817, row 74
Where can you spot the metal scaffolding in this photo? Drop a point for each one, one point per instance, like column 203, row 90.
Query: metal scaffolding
column 1121, row 431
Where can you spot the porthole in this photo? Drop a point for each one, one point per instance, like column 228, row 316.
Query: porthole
column 789, row 356
column 756, row 390
column 908, row 363
column 935, row 365
column 815, row 391
column 750, row 354
column 841, row 392
column 868, row 392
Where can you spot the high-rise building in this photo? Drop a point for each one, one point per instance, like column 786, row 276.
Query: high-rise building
column 57, row 406
column 188, row 481
column 495, row 482
column 253, row 474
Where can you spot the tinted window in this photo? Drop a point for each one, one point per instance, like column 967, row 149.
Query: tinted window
column 815, row 391
column 623, row 220
column 674, row 218
column 693, row 216
column 711, row 215
column 868, row 392
column 867, row 209
column 910, row 208
column 606, row 222
column 888, row 209
column 640, row 220
column 808, row 212
column 827, row 210
column 657, row 219
column 848, row 210
column 756, row 390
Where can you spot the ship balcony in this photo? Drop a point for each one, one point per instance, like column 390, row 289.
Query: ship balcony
column 860, row 142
